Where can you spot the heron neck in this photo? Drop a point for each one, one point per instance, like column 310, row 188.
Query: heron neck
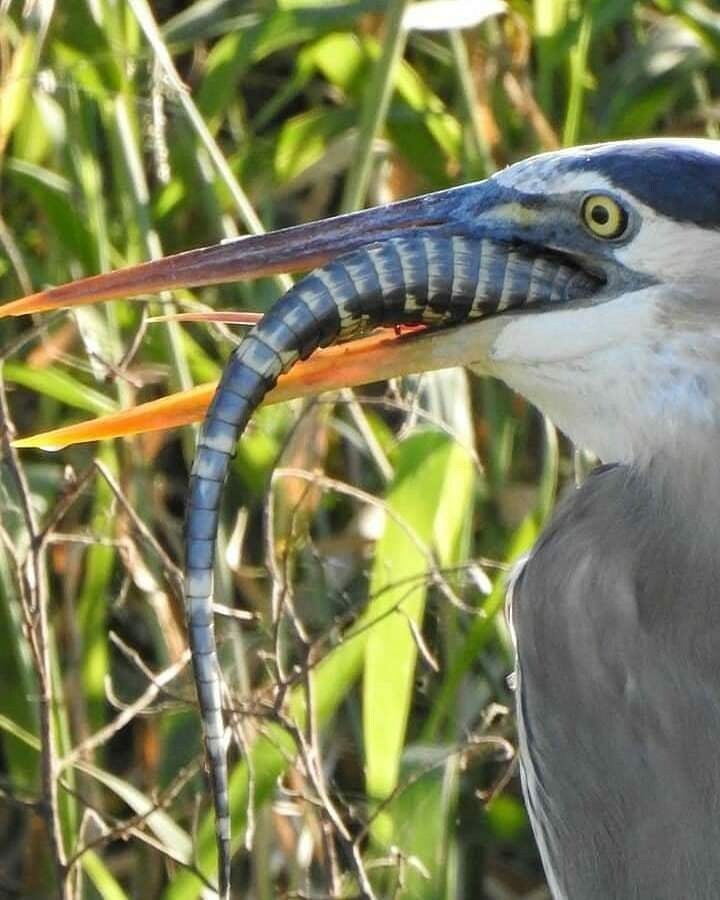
column 659, row 416
column 636, row 380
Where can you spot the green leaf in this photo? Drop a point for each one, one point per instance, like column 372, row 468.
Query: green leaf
column 507, row 817
column 92, row 55
column 424, row 813
column 236, row 52
column 91, row 614
column 19, row 733
column 18, row 83
column 418, row 122
column 429, row 499
column 53, row 194
column 482, row 630
column 17, row 680
column 59, row 385
column 176, row 842
column 99, row 874
column 304, row 138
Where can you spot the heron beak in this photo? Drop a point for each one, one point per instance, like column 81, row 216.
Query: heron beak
column 466, row 210
column 295, row 249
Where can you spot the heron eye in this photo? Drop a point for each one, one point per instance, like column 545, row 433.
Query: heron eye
column 604, row 216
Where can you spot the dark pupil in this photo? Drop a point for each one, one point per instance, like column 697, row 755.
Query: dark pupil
column 600, row 215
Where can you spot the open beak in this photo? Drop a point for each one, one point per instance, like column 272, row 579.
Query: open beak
column 428, row 262
column 504, row 276
column 384, row 354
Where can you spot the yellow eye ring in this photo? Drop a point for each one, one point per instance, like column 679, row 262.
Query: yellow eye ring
column 604, row 216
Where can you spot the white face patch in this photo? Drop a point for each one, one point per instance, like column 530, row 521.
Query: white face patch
column 673, row 252
column 617, row 378
column 629, row 376
column 566, row 334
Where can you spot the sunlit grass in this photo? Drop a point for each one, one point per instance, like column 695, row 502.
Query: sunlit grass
column 369, row 569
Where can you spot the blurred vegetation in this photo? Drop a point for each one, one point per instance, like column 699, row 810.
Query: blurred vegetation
column 383, row 521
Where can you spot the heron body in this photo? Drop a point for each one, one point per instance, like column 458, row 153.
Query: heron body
column 588, row 280
column 617, row 626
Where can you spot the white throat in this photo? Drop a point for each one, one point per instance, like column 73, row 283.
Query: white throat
column 618, row 378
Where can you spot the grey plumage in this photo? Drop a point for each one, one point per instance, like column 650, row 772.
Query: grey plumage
column 617, row 622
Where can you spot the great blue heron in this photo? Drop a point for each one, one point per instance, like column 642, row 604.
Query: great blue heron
column 593, row 276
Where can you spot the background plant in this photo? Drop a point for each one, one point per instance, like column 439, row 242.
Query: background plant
column 366, row 535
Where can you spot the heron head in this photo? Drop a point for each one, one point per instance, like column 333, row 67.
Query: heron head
column 626, row 370
column 628, row 365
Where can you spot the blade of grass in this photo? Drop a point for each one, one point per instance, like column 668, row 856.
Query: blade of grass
column 579, row 77
column 245, row 209
column 480, row 633
column 59, row 385
column 103, row 881
column 17, row 684
column 91, row 614
column 424, row 813
column 18, row 81
column 436, row 513
column 177, row 841
column 550, row 18
column 481, row 161
column 375, row 106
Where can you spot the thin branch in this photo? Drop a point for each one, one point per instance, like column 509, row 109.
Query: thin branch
column 33, row 597
column 173, row 573
column 75, row 489
column 342, row 487
column 28, row 335
column 128, row 713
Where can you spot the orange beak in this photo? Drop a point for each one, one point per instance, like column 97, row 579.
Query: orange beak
column 374, row 358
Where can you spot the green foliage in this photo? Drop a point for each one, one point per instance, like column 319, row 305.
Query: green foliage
column 371, row 567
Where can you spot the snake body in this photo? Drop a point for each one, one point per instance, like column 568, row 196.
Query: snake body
column 421, row 278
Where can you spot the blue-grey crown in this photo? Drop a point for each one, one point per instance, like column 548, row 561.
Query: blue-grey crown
column 679, row 180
